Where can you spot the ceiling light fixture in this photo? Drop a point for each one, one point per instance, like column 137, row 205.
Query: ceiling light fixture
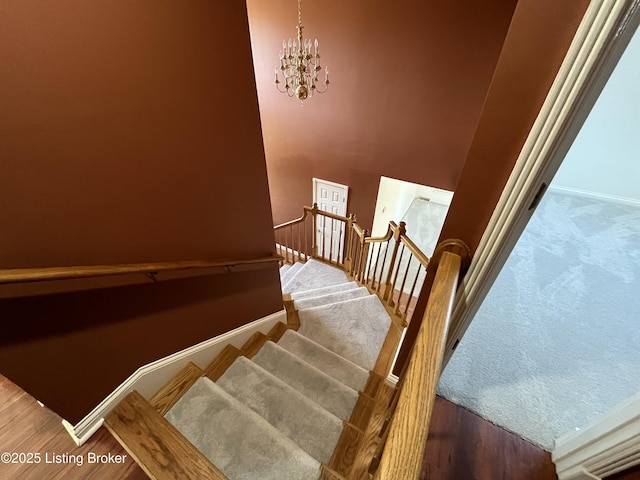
column 300, row 67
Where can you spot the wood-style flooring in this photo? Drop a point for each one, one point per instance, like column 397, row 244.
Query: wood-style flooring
column 462, row 446
column 28, row 428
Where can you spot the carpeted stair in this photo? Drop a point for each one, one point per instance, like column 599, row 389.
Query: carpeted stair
column 279, row 414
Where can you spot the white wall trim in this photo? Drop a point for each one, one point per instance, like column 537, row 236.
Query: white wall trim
column 291, row 252
column 595, row 195
column 148, row 379
column 392, row 379
column 608, row 446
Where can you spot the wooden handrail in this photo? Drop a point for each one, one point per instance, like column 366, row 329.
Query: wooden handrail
column 403, row 454
column 388, row 234
column 361, row 232
column 26, row 275
column 413, row 248
column 292, row 222
column 325, row 214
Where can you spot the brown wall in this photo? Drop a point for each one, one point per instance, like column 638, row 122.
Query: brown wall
column 538, row 39
column 408, row 81
column 130, row 133
column 535, row 46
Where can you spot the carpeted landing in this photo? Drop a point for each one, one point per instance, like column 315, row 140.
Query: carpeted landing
column 279, row 414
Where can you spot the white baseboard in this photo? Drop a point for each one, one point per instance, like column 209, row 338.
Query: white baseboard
column 392, row 379
column 299, row 257
column 148, row 379
column 608, row 446
column 595, row 195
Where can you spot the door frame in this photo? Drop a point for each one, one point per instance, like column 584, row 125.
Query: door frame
column 339, row 252
column 600, row 40
column 333, row 184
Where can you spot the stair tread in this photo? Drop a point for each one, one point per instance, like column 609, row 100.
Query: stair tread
column 284, row 268
column 330, row 298
column 310, row 426
column 354, row 329
column 290, row 273
column 261, row 451
column 313, row 274
column 279, row 414
column 155, row 444
column 314, row 292
column 322, row 358
column 328, row 392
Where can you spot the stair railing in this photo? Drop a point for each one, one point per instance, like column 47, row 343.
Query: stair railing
column 292, row 238
column 391, row 266
column 151, row 270
column 404, row 440
column 394, row 268
column 316, row 234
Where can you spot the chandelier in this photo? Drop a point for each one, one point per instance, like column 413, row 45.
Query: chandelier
column 300, row 67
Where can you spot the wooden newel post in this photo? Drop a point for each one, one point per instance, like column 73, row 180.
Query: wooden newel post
column 314, row 235
column 293, row 321
column 348, row 259
column 362, row 262
column 398, row 232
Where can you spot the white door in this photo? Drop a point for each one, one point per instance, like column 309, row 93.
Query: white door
column 331, row 197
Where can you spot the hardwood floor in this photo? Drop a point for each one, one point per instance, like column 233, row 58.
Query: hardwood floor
column 26, row 427
column 463, row 446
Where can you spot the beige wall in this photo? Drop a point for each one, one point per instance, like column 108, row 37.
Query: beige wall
column 130, row 133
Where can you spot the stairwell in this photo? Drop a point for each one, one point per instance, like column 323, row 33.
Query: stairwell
column 279, row 407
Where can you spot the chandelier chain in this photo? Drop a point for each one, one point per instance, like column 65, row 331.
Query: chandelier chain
column 299, row 12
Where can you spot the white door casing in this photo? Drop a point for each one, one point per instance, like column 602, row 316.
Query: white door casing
column 330, row 235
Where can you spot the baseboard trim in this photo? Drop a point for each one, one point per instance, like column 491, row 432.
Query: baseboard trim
column 295, row 254
column 608, row 446
column 149, row 378
column 594, row 195
column 392, row 379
